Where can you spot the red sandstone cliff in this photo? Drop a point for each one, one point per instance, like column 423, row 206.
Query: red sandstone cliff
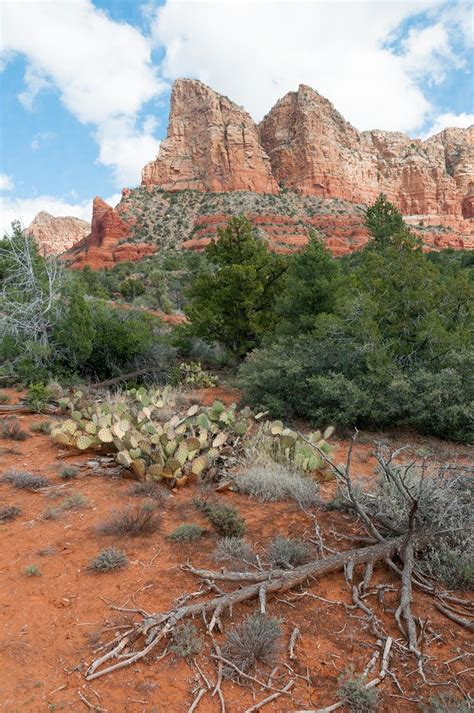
column 54, row 235
column 212, row 145
column 313, row 150
column 106, row 244
column 304, row 145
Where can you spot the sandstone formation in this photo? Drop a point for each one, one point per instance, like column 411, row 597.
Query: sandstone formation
column 305, row 145
column 215, row 162
column 54, row 235
column 313, row 150
column 106, row 244
column 212, row 145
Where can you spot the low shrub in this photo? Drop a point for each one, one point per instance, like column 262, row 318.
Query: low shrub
column 286, row 552
column 52, row 514
column 74, row 502
column 133, row 522
column 358, row 698
column 41, row 427
column 149, row 489
column 4, row 398
column 233, row 550
column 38, row 396
column 452, row 562
column 187, row 533
column 10, row 428
column 9, row 512
column 186, row 641
column 224, row 518
column 68, row 472
column 108, row 560
column 446, row 703
column 25, row 481
column 255, row 641
column 32, row 570
column 273, row 481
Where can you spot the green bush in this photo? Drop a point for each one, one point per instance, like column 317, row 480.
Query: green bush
column 68, row 472
column 187, row 533
column 41, row 427
column 255, row 641
column 32, row 570
column 287, row 552
column 186, row 641
column 384, row 339
column 224, row 518
column 38, row 397
column 108, row 560
column 358, row 698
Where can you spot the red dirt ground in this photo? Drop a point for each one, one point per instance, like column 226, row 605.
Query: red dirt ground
column 50, row 624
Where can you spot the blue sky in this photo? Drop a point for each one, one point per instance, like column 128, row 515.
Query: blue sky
column 85, row 84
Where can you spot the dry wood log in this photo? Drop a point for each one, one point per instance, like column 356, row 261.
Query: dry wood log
column 49, row 410
column 155, row 628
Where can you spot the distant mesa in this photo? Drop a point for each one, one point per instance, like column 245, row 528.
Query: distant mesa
column 298, row 163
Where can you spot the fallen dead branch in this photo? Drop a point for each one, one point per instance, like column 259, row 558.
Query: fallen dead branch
column 49, row 409
column 270, row 698
column 155, row 628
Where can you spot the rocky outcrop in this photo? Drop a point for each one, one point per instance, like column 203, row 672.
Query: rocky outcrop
column 54, row 235
column 314, row 151
column 305, row 145
column 215, row 162
column 107, row 242
column 212, row 145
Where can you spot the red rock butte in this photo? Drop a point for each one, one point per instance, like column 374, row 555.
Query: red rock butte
column 303, row 146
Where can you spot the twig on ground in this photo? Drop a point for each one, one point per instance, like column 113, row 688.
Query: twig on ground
column 270, row 698
column 195, row 703
column 295, row 634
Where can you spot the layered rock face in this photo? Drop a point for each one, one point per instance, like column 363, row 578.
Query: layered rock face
column 54, row 235
column 106, row 243
column 313, row 150
column 211, row 145
column 221, row 164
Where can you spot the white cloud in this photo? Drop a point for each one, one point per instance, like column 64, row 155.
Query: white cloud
column 257, row 51
column 102, row 69
column 449, row 120
column 6, row 182
column 427, row 52
column 25, row 209
column 125, row 148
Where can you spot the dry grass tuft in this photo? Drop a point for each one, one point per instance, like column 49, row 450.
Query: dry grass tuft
column 133, row 521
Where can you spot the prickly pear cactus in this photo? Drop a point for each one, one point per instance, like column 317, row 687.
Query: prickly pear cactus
column 132, row 426
column 283, row 445
column 192, row 374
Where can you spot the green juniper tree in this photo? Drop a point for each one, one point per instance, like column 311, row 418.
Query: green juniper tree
column 234, row 304
column 383, row 220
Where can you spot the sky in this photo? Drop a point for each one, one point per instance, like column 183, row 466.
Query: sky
column 85, row 84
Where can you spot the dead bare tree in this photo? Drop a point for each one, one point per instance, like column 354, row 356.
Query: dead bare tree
column 30, row 294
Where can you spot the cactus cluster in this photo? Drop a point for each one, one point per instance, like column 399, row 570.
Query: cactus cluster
column 283, row 445
column 171, row 450
column 192, row 374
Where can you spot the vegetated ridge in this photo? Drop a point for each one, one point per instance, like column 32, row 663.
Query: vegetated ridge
column 302, row 167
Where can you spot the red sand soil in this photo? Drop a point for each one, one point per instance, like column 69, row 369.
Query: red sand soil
column 50, row 624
